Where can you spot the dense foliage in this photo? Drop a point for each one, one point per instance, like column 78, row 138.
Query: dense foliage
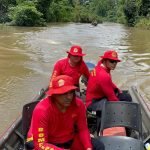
column 26, row 14
column 37, row 12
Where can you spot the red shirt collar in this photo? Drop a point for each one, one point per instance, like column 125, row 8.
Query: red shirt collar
column 100, row 64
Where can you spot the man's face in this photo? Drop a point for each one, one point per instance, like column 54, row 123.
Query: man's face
column 111, row 64
column 75, row 59
column 64, row 100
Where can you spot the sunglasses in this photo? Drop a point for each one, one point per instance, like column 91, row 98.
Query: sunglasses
column 112, row 61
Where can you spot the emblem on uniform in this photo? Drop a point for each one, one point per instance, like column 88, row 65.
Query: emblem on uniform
column 114, row 54
column 75, row 50
column 61, row 82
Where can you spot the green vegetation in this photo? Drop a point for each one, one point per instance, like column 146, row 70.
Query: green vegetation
column 39, row 12
column 25, row 14
column 143, row 23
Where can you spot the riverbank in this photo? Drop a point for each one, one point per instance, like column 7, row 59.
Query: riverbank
column 143, row 23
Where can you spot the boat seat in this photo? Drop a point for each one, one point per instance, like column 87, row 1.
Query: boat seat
column 121, row 143
column 26, row 116
column 26, row 121
column 94, row 115
column 121, row 114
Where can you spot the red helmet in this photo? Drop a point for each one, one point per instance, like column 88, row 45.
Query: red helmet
column 61, row 84
column 111, row 54
column 76, row 51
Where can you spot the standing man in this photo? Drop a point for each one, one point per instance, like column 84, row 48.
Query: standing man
column 73, row 65
column 59, row 120
column 100, row 85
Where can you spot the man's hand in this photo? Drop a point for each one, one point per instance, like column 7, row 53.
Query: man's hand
column 91, row 135
column 89, row 149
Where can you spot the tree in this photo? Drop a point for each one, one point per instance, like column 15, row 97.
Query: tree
column 60, row 11
column 43, row 7
column 25, row 14
column 145, row 8
column 4, row 5
column 131, row 12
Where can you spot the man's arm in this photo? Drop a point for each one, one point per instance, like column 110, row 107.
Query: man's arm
column 108, row 88
column 83, row 131
column 116, row 89
column 85, row 70
column 40, row 129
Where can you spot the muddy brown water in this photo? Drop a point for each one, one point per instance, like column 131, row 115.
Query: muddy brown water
column 27, row 55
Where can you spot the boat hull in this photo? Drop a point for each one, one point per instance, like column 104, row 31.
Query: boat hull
column 13, row 137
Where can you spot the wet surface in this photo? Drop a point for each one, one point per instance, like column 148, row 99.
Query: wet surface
column 27, row 56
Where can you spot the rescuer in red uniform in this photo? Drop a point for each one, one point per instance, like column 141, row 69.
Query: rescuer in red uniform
column 100, row 85
column 59, row 120
column 73, row 65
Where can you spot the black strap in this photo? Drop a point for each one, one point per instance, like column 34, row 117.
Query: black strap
column 66, row 145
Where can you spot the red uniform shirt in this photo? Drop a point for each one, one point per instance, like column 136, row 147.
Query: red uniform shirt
column 49, row 125
column 62, row 67
column 100, row 85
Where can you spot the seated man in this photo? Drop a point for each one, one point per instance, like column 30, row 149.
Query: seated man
column 100, row 85
column 59, row 120
column 73, row 66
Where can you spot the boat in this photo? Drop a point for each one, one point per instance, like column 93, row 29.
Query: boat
column 13, row 138
column 94, row 23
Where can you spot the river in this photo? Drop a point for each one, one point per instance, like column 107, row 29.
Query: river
column 27, row 56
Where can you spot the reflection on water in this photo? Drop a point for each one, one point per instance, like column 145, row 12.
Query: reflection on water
column 27, row 56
